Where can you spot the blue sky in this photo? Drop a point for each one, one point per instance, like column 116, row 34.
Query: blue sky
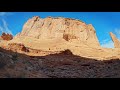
column 103, row 22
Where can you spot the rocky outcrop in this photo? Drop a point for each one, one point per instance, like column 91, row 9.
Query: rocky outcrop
column 7, row 37
column 17, row 47
column 115, row 40
column 64, row 28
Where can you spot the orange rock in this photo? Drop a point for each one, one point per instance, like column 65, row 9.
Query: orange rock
column 115, row 40
column 60, row 27
column 7, row 37
column 17, row 46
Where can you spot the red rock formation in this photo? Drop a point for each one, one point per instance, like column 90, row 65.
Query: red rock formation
column 115, row 40
column 66, row 28
column 7, row 37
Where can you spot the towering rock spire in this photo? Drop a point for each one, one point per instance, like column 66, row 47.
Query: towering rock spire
column 115, row 40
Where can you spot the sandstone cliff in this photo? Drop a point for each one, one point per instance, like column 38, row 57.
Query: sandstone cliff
column 61, row 28
column 58, row 34
column 115, row 40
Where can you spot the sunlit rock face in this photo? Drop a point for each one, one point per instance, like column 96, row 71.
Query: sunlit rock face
column 64, row 28
column 115, row 40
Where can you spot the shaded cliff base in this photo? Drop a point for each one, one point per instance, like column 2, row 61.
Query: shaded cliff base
column 59, row 65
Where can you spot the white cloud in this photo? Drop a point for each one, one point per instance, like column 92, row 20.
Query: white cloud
column 1, row 29
column 5, row 14
column 2, row 13
column 5, row 28
column 117, row 33
column 104, row 41
column 107, row 43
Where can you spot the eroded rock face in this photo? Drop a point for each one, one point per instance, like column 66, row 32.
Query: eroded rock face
column 7, row 37
column 64, row 28
column 115, row 40
column 17, row 47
